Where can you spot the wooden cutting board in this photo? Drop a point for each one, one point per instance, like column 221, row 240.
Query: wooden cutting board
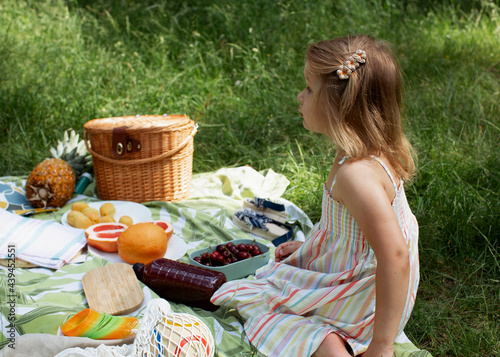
column 113, row 289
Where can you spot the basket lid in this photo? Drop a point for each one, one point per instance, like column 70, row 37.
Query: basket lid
column 167, row 122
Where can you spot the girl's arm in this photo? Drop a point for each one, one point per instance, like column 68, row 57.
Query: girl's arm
column 362, row 188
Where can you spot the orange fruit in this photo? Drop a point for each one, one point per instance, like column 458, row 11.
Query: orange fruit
column 142, row 243
column 104, row 236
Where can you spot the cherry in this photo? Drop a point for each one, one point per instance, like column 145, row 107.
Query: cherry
column 243, row 255
column 256, row 252
column 225, row 254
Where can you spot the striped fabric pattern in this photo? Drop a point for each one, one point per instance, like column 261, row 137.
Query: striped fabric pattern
column 327, row 285
column 44, row 243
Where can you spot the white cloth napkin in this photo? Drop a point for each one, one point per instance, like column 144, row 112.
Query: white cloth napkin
column 45, row 243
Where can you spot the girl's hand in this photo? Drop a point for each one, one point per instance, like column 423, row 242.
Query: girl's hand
column 285, row 249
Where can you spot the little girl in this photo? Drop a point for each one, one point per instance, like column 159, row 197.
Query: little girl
column 349, row 289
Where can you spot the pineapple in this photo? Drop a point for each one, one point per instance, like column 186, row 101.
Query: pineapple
column 50, row 184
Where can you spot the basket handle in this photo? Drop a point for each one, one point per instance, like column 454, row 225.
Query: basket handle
column 142, row 161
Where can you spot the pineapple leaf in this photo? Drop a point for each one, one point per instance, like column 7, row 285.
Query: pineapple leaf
column 71, row 153
column 74, row 152
column 82, row 149
column 60, row 149
column 77, row 167
column 73, row 142
column 53, row 152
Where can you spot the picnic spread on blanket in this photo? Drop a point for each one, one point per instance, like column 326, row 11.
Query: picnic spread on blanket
column 70, row 288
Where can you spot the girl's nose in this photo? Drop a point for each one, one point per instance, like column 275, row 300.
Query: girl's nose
column 299, row 96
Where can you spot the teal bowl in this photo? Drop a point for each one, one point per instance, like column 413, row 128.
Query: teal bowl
column 239, row 269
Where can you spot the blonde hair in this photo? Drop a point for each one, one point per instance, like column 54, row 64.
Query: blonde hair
column 363, row 113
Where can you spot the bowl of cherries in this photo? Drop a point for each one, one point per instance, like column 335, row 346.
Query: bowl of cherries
column 236, row 259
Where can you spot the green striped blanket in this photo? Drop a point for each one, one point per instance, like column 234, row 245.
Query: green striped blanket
column 38, row 300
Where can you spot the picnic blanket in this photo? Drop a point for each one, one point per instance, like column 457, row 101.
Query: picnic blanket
column 35, row 302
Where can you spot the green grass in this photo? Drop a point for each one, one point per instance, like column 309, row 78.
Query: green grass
column 235, row 67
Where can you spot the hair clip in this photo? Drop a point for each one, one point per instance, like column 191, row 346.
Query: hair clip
column 352, row 63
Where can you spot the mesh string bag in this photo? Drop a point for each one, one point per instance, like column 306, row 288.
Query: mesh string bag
column 164, row 333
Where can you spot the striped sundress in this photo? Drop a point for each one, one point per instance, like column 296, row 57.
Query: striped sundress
column 327, row 285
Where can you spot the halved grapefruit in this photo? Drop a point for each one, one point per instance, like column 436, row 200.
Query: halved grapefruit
column 104, row 236
column 167, row 226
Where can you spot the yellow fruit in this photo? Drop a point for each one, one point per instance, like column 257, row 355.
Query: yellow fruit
column 92, row 213
column 126, row 220
column 107, row 219
column 107, row 209
column 78, row 220
column 142, row 243
column 79, row 206
column 50, row 184
column 71, row 216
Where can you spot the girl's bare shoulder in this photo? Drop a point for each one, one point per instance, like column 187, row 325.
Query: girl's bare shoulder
column 362, row 178
column 359, row 170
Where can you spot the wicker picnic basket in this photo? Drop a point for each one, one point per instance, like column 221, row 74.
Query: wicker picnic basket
column 142, row 158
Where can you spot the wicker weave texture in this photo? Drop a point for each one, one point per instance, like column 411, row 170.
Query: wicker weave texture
column 160, row 171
